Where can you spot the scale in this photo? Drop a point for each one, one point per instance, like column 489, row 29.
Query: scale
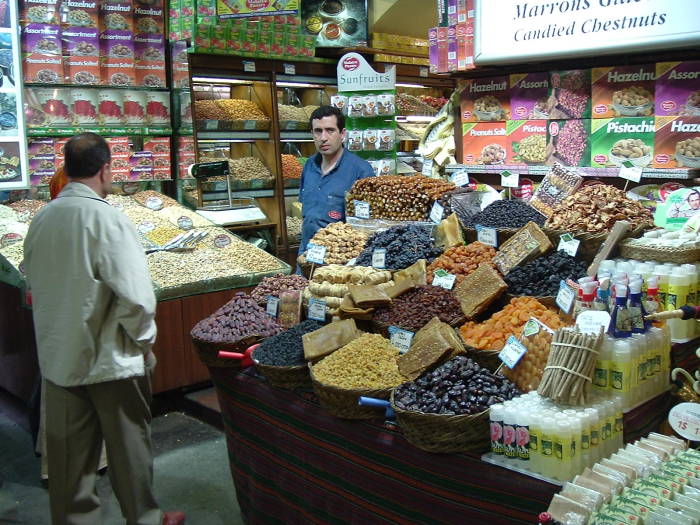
column 234, row 211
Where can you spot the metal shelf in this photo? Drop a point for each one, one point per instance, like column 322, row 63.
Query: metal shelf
column 218, row 195
column 296, row 135
column 233, row 136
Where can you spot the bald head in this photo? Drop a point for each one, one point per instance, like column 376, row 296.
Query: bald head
column 85, row 155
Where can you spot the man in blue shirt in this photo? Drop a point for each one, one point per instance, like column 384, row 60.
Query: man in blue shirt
column 328, row 174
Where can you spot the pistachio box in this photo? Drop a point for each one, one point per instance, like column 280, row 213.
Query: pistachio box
column 527, row 142
column 485, row 99
column 528, row 95
column 616, row 140
column 623, row 91
column 677, row 142
column 678, row 89
column 484, row 143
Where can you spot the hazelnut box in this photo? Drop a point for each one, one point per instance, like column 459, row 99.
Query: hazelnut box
column 485, row 99
column 149, row 19
column 570, row 94
column 616, row 140
column 116, row 16
column 41, row 39
column 484, row 143
column 678, row 89
column 568, row 142
column 677, row 142
column 39, row 11
column 81, row 41
column 528, row 95
column 527, row 142
column 79, row 13
column 623, row 91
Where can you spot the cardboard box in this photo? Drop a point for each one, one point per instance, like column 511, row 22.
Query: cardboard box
column 442, row 49
column 149, row 48
column 118, row 72
column 623, row 91
column 79, row 13
column 149, row 19
column 39, row 12
column 81, row 41
column 485, row 99
column 465, row 45
column 465, row 10
column 484, row 143
column 616, row 140
column 442, row 13
column 150, row 74
column 45, row 69
column 42, row 39
column 451, row 12
column 568, row 142
column 82, row 70
column 528, row 95
column 677, row 142
column 116, row 16
column 433, row 53
column 527, row 142
column 678, row 89
column 452, row 48
column 570, row 94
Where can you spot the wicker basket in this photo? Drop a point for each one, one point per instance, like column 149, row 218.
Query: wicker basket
column 659, row 253
column 342, row 402
column 286, row 377
column 209, row 352
column 442, row 433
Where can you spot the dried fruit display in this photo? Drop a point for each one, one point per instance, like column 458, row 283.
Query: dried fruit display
column 404, row 246
column 462, row 260
column 291, row 167
column 277, row 284
column 415, row 308
column 342, row 242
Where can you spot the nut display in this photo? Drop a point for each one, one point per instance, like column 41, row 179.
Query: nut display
column 342, row 242
column 493, row 154
column 570, row 144
column 632, row 96
column 228, row 109
column 291, row 167
column 595, row 209
column 462, row 260
column 285, row 348
column 163, row 235
column 238, row 319
column 415, row 308
column 368, row 362
column 293, row 113
column 241, row 253
column 459, row 386
column 404, row 245
column 533, row 148
column 244, row 168
column 7, row 214
column 175, row 215
column 143, row 196
column 294, row 227
column 397, row 197
column 171, row 270
column 694, row 99
column 630, row 149
column 26, row 209
column 492, row 334
column 506, row 214
column 277, row 284
column 121, row 201
column 541, row 277
column 687, row 148
column 558, row 184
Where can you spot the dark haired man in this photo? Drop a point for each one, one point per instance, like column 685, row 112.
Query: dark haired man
column 94, row 310
column 328, row 174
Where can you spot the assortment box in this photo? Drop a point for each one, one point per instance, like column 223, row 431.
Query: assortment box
column 485, row 99
column 616, row 140
column 528, row 95
column 678, row 89
column 484, row 143
column 570, row 94
column 568, row 142
column 677, row 142
column 623, row 91
column 527, row 142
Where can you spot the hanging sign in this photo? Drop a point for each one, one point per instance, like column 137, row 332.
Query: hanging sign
column 355, row 74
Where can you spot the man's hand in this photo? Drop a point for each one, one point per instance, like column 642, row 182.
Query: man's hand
column 150, row 362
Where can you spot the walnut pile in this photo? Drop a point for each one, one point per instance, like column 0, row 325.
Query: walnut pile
column 342, row 242
column 596, row 209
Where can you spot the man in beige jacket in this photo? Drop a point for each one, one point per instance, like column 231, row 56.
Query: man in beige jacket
column 94, row 310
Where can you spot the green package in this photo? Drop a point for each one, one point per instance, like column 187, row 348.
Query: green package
column 631, row 506
column 646, row 486
column 249, row 36
column 615, row 141
column 264, row 44
column 219, row 38
column 641, row 498
column 202, row 36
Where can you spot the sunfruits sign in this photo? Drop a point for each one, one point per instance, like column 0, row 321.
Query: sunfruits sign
column 355, row 74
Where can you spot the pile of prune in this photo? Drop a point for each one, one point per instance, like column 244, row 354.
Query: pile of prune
column 542, row 276
column 404, row 244
column 287, row 348
column 506, row 214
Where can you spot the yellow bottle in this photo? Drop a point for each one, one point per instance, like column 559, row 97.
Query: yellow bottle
column 621, row 371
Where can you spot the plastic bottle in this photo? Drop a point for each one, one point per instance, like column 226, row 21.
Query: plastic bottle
column 657, row 336
column 522, row 435
column 585, row 440
column 562, row 450
column 496, row 424
column 692, row 272
column 535, row 463
column 601, row 372
column 585, row 301
column 576, row 450
column 607, row 422
column 618, row 430
column 621, row 371
column 678, row 288
column 547, row 459
column 608, row 265
column 653, row 303
column 636, row 308
column 662, row 272
column 602, row 297
column 639, row 357
column 620, row 325
column 510, row 451
column 593, row 420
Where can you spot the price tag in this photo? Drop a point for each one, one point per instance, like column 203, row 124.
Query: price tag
column 145, row 227
column 630, row 172
column 427, row 167
column 436, row 212
column 317, row 309
column 315, row 253
column 23, row 216
column 512, row 352
column 400, row 338
column 488, row 236
column 379, row 258
column 249, row 66
column 568, row 244
column 10, row 238
column 685, row 419
column 289, row 69
column 211, row 125
column 444, row 279
column 222, row 240
column 361, row 209
column 510, row 180
column 272, row 305
column 591, row 321
column 565, row 297
column 423, row 71
column 185, row 223
column 154, row 203
column 533, row 326
column 461, row 178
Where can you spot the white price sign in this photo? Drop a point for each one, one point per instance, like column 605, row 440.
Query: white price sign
column 630, row 172
column 510, row 180
column 400, row 338
column 315, row 253
column 289, row 69
column 565, row 297
column 317, row 309
column 272, row 305
column 379, row 258
column 427, row 167
column 512, row 352
column 461, row 178
column 351, row 262
column 591, row 321
column 249, row 66
column 486, row 235
column 361, row 209
column 444, row 279
column 568, row 244
column 423, row 71
column 685, row 419
column 436, row 212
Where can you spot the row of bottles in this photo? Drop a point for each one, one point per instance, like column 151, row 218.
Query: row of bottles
column 559, row 442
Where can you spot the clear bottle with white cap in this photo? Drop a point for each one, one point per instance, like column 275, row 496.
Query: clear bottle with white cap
column 678, row 289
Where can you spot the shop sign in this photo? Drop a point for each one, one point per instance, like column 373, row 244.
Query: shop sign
column 513, row 31
column 248, row 8
column 355, row 74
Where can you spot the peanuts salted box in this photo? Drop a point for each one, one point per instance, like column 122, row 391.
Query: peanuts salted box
column 677, row 142
column 678, row 89
column 623, row 91
column 484, row 143
column 485, row 99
